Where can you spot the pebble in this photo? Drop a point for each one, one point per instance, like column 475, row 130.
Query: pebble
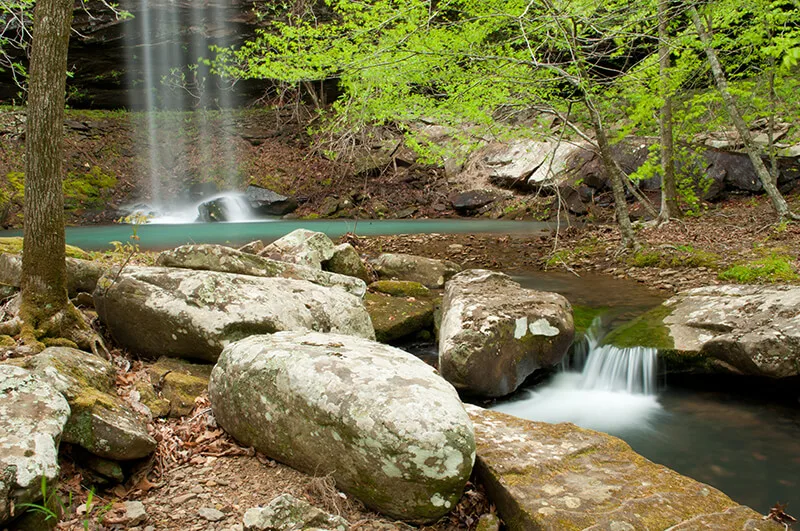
column 135, row 513
column 211, row 514
column 197, row 489
column 183, row 498
column 211, row 483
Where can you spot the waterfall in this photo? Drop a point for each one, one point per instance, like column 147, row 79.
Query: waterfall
column 187, row 111
column 605, row 388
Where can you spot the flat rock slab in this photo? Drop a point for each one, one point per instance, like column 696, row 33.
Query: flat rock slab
column 561, row 477
column 163, row 311
column 730, row 328
column 206, row 257
column 381, row 422
column 32, row 417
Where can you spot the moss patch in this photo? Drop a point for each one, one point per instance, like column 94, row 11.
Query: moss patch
column 13, row 245
column 678, row 256
column 397, row 317
column 400, row 288
column 583, row 316
column 772, row 268
column 647, row 330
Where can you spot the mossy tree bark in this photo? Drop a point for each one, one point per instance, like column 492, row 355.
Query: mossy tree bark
column 778, row 202
column 45, row 308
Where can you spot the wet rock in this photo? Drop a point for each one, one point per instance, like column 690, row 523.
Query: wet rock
column 469, row 202
column 288, row 512
column 400, row 288
column 345, row 261
column 429, row 272
column 494, row 333
column 265, row 202
column 180, row 383
column 397, row 317
column 82, row 275
column 387, row 428
column 180, row 313
column 32, row 417
column 739, row 329
column 207, row 257
column 224, row 208
column 560, row 476
column 100, row 421
column 301, row 246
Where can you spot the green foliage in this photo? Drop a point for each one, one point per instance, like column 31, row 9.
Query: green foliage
column 775, row 267
column 88, row 190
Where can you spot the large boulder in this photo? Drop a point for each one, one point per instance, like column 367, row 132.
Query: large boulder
column 388, row 429
column 32, row 417
column 301, row 246
column 429, row 272
column 560, row 476
column 345, row 261
column 228, row 260
column 99, row 420
column 265, row 202
column 162, row 311
column 82, row 275
column 729, row 328
column 494, row 333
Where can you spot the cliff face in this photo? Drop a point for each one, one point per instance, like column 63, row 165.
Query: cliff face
column 106, row 54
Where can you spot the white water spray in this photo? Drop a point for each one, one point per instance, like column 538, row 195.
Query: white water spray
column 614, row 392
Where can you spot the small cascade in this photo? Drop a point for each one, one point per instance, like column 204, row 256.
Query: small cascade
column 632, row 370
column 227, row 207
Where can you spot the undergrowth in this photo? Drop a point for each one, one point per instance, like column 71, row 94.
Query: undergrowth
column 775, row 267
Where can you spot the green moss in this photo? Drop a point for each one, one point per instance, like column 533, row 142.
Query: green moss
column 678, row 256
column 647, row 330
column 13, row 245
column 397, row 317
column 400, row 288
column 90, row 189
column 59, row 342
column 583, row 316
column 772, row 268
column 7, row 341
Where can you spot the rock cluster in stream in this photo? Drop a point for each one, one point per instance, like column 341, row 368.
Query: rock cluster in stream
column 300, row 377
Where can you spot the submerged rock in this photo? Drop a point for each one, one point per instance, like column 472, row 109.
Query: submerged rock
column 301, row 246
column 207, row 257
column 180, row 313
column 730, row 328
column 32, row 417
column 494, row 333
column 100, row 421
column 387, row 428
column 429, row 272
column 560, row 476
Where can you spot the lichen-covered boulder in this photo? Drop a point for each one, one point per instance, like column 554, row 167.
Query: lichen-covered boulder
column 32, row 417
column 345, row 261
column 82, row 275
column 388, row 429
column 751, row 330
column 99, row 421
column 180, row 313
column 288, row 512
column 228, row 260
column 180, row 382
column 301, row 246
column 494, row 333
column 397, row 317
column 560, row 476
column 429, row 272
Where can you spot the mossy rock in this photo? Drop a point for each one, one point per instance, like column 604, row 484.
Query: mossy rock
column 158, row 406
column 181, row 383
column 398, row 317
column 647, row 330
column 400, row 288
column 13, row 245
column 7, row 341
column 584, row 316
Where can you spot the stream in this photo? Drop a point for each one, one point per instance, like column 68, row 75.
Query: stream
column 745, row 445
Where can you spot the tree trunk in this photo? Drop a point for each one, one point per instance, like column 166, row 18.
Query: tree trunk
column 778, row 202
column 616, row 177
column 44, row 292
column 669, row 192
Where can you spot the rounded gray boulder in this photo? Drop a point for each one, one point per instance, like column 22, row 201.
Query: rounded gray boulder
column 388, row 429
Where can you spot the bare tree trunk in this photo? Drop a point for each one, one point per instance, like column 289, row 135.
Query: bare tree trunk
column 778, row 202
column 669, row 192
column 616, row 177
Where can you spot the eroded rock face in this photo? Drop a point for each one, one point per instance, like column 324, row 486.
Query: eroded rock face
column 228, row 260
column 494, row 333
column 560, row 476
column 730, row 328
column 32, row 417
column 99, row 421
column 429, row 272
column 388, row 429
column 160, row 311
column 301, row 246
